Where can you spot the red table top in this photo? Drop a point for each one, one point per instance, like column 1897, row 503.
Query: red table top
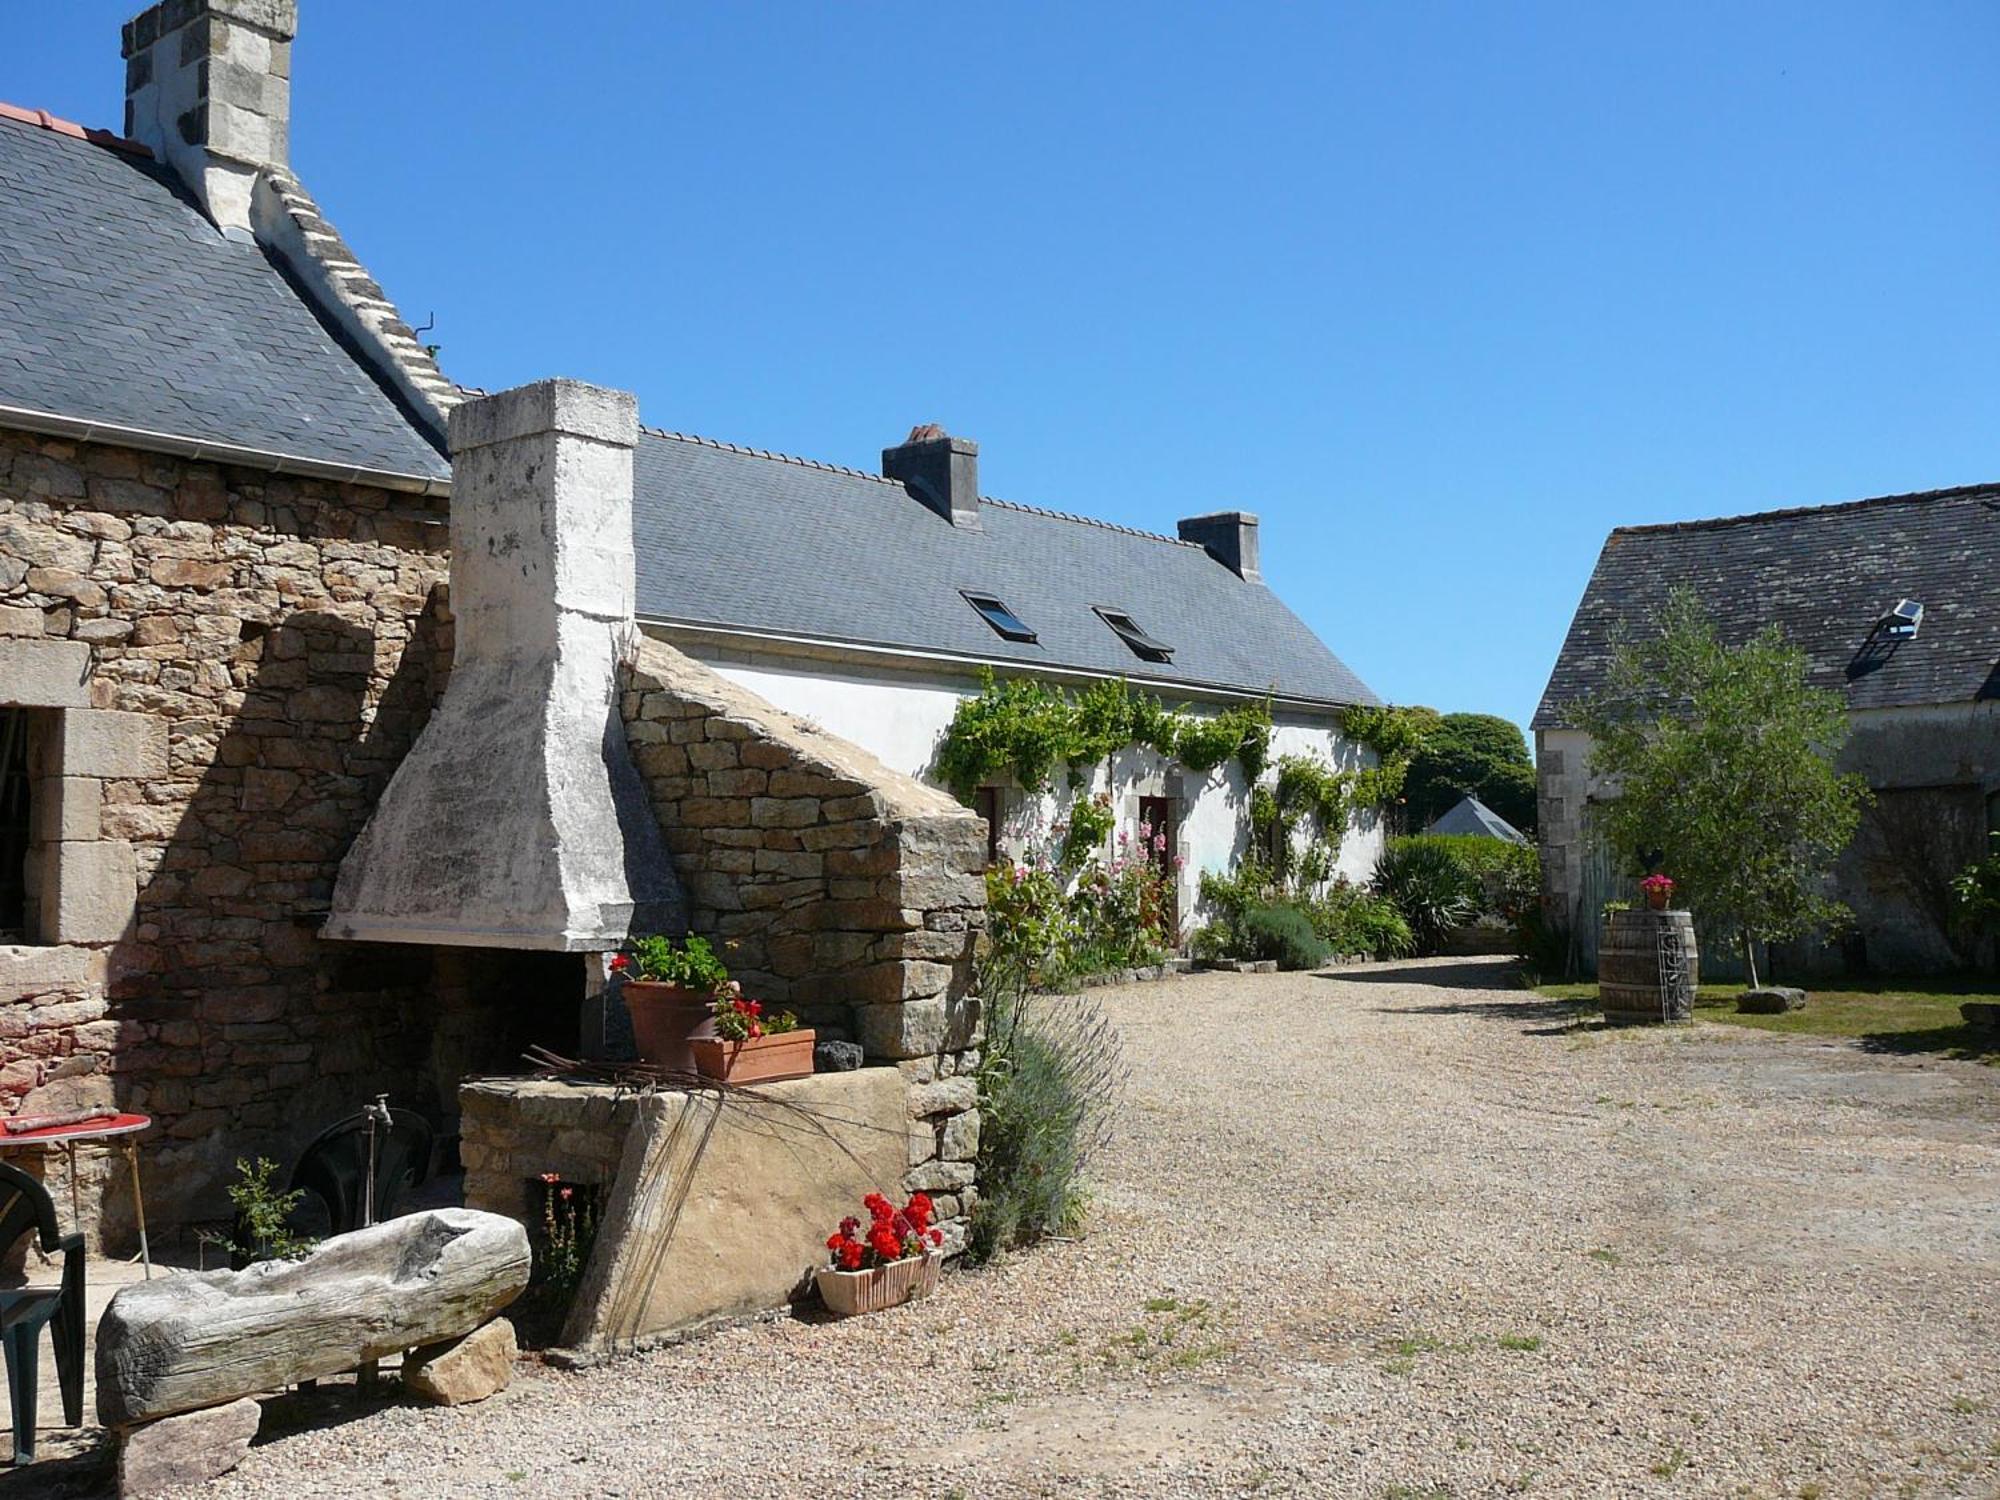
column 81, row 1130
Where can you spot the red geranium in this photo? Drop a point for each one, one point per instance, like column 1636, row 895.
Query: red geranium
column 893, row 1234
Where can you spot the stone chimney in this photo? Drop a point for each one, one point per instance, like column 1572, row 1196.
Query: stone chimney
column 518, row 819
column 1231, row 539
column 940, row 470
column 208, row 85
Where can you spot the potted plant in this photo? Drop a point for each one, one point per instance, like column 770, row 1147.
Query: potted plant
column 750, row 1047
column 895, row 1260
column 1658, row 888
column 669, row 987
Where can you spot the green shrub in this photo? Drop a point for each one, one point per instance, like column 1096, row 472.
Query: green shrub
column 1284, row 933
column 1371, row 924
column 1048, row 1082
column 1430, row 886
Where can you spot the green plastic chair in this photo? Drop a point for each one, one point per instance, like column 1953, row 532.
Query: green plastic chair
column 25, row 1207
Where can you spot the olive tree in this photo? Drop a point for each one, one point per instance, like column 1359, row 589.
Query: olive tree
column 1722, row 764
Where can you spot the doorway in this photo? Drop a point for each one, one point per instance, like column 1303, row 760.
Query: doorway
column 1160, row 817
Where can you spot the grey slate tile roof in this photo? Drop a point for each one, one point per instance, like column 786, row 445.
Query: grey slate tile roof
column 121, row 303
column 1471, row 816
column 770, row 545
column 1826, row 575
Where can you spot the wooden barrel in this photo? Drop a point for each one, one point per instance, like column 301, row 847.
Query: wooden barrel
column 1647, row 967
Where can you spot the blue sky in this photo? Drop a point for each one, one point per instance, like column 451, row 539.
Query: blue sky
column 1442, row 292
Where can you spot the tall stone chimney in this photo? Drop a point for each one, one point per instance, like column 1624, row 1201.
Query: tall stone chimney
column 208, row 85
column 940, row 470
column 1231, row 539
column 518, row 820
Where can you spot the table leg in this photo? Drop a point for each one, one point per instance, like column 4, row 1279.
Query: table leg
column 75, row 1213
column 139, row 1203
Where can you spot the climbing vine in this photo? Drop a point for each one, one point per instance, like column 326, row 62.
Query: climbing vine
column 1308, row 788
column 1031, row 727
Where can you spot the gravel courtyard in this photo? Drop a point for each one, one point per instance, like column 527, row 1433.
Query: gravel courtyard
column 1396, row 1231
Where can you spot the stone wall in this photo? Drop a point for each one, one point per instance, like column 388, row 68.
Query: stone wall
column 838, row 888
column 224, row 667
column 1935, row 773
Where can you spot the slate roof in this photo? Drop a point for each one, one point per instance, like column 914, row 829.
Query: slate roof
column 121, row 303
column 1826, row 575
column 771, row 545
column 1471, row 816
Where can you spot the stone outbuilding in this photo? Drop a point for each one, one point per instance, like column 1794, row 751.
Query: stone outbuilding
column 1896, row 603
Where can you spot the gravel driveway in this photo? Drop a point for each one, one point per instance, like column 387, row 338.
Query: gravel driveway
column 1393, row 1231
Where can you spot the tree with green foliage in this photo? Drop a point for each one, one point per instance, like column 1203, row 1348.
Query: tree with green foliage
column 1471, row 755
column 1722, row 759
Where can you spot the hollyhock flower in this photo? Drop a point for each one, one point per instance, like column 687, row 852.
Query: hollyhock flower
column 1159, row 843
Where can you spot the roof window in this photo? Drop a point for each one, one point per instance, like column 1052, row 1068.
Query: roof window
column 1129, row 632
column 1004, row 621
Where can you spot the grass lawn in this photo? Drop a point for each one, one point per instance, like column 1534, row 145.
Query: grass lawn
column 1879, row 1014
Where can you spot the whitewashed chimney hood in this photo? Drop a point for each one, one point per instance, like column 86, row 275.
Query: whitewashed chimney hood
column 517, row 820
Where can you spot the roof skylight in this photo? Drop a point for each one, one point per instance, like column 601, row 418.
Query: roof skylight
column 1004, row 621
column 1129, row 632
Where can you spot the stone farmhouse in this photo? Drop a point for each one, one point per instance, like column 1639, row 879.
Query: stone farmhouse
column 1896, row 602
column 349, row 720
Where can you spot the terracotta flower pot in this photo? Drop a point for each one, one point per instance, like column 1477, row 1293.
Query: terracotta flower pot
column 665, row 1020
column 846, row 1293
column 764, row 1059
column 1656, row 898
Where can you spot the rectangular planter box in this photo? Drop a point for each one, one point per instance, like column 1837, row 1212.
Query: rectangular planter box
column 846, row 1293
column 766, row 1059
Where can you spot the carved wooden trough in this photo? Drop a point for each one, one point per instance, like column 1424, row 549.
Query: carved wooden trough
column 205, row 1338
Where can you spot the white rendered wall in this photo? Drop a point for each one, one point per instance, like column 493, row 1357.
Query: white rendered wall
column 901, row 715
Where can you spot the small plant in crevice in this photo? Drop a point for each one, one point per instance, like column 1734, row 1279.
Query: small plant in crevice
column 262, row 1228
column 561, row 1235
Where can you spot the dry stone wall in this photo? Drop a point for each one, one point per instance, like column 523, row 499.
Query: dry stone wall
column 222, row 667
column 840, row 889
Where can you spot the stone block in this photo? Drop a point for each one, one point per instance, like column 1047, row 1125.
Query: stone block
column 836, row 1057
column 959, row 1140
column 44, row 673
column 1771, row 1000
column 95, row 894
column 918, row 1028
column 945, row 1097
column 66, row 807
column 172, row 1455
column 28, row 971
column 108, row 744
column 939, row 1177
column 461, row 1371
column 762, row 1188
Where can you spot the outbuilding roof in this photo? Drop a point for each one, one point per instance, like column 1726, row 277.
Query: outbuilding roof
column 766, row 545
column 121, row 304
column 1471, row 816
column 1829, row 576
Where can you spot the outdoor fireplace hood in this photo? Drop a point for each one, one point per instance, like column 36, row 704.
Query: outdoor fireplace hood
column 517, row 820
